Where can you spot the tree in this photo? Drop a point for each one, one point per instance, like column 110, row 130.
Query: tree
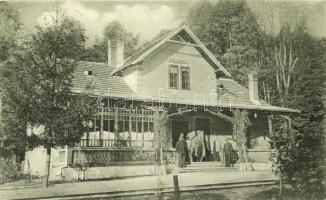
column 38, row 86
column 284, row 23
column 114, row 32
column 161, row 34
column 299, row 85
column 230, row 30
column 307, row 153
column 9, row 25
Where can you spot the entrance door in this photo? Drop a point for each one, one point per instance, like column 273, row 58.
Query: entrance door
column 202, row 124
column 178, row 127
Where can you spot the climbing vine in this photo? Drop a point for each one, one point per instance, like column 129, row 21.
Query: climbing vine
column 241, row 123
column 161, row 139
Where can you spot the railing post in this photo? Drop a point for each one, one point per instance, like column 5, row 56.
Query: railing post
column 130, row 122
column 142, row 126
column 116, row 120
column 101, row 129
column 87, row 137
column 176, row 187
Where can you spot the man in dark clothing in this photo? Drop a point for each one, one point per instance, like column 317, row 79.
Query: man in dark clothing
column 181, row 149
column 227, row 152
column 207, row 148
column 234, row 158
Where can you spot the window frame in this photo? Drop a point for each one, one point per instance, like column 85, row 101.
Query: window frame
column 65, row 156
column 173, row 65
column 179, row 67
column 181, row 70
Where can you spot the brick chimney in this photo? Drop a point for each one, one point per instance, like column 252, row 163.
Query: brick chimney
column 253, row 88
column 115, row 53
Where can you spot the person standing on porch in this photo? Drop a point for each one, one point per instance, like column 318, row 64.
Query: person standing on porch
column 189, row 150
column 207, row 146
column 181, row 149
column 228, row 149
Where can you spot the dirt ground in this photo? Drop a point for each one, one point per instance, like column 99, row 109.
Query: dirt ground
column 245, row 193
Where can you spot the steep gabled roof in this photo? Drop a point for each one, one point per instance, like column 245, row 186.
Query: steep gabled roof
column 142, row 54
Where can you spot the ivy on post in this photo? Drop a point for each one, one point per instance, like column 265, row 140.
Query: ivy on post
column 282, row 139
column 160, row 130
column 160, row 138
column 240, row 123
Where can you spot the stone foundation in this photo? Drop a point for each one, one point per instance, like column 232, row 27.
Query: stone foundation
column 109, row 172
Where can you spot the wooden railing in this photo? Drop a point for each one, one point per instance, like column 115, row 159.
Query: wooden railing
column 115, row 143
column 107, row 157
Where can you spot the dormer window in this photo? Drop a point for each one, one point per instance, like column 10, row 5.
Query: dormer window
column 88, row 72
column 179, row 76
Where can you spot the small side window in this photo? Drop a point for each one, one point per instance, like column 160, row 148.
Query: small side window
column 62, row 156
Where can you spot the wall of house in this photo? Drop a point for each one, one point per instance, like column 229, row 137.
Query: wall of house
column 258, row 132
column 35, row 162
column 131, row 78
column 154, row 73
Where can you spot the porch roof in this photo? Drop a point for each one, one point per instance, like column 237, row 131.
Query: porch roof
column 103, row 83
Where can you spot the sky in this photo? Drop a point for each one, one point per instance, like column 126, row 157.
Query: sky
column 145, row 18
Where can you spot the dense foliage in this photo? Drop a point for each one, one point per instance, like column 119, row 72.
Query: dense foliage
column 230, row 30
column 114, row 32
column 9, row 170
column 37, row 82
column 291, row 67
column 241, row 123
column 9, row 26
column 304, row 168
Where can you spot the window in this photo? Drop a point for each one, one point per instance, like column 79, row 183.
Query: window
column 179, row 73
column 173, row 71
column 185, row 78
column 62, row 156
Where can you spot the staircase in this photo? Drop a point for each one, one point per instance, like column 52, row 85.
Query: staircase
column 205, row 167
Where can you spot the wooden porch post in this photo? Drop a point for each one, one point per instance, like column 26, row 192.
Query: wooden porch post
column 130, row 122
column 142, row 126
column 101, row 129
column 87, row 135
column 116, row 119
column 270, row 124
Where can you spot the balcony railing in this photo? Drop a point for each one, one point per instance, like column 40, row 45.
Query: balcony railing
column 115, row 143
column 109, row 157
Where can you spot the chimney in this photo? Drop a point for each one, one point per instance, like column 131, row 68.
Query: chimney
column 253, row 88
column 115, row 53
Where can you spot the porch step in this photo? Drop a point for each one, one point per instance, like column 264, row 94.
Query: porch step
column 205, row 167
column 213, row 163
